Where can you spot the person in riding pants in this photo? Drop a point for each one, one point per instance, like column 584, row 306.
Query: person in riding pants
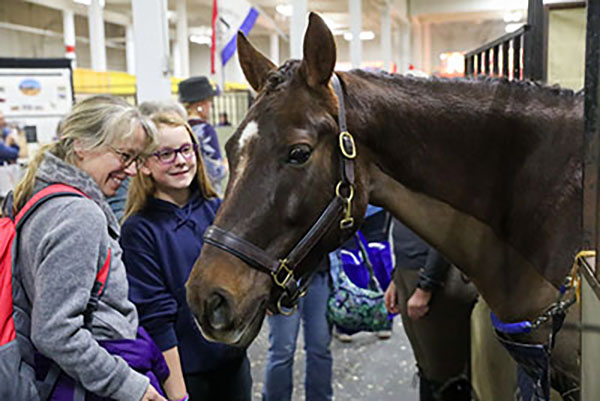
column 63, row 243
column 170, row 204
column 432, row 298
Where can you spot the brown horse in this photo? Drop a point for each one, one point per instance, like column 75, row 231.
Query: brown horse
column 487, row 171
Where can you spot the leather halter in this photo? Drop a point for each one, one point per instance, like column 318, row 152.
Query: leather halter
column 282, row 270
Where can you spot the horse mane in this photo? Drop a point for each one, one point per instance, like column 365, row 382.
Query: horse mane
column 527, row 85
column 278, row 79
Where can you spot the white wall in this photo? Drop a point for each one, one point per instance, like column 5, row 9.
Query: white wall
column 14, row 43
column 461, row 37
column 445, row 36
column 419, row 8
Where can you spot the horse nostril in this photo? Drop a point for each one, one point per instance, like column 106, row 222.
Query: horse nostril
column 218, row 311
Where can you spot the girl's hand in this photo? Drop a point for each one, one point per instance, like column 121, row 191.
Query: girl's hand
column 391, row 299
column 152, row 395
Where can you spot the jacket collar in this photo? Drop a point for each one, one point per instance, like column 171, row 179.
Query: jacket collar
column 54, row 170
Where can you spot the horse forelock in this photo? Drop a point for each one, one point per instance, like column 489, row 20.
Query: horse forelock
column 277, row 79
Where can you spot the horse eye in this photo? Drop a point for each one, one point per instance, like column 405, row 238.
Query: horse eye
column 299, row 154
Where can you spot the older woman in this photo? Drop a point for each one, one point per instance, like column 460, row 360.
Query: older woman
column 61, row 246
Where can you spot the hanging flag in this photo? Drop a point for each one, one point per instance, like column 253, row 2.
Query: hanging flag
column 213, row 40
column 237, row 15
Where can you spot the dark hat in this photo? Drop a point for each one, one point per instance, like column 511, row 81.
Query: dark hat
column 195, row 89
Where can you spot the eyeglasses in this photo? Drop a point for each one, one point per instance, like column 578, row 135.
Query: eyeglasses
column 126, row 157
column 168, row 156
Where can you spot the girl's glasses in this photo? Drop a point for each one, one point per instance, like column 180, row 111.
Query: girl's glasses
column 168, row 156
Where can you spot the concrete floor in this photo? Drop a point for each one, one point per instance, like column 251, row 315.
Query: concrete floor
column 367, row 369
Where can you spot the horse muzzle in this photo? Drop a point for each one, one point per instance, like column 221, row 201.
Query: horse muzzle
column 227, row 301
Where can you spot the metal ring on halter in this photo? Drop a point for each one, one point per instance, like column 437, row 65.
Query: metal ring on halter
column 346, row 138
column 338, row 188
column 288, row 311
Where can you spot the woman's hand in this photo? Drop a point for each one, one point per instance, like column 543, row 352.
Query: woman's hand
column 418, row 304
column 391, row 299
column 152, row 395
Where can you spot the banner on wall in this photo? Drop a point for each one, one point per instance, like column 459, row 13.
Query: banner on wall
column 230, row 17
column 35, row 94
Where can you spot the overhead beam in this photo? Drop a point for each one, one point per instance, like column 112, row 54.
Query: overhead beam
column 80, row 9
column 45, row 32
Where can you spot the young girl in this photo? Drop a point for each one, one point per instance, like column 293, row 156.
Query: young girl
column 170, row 205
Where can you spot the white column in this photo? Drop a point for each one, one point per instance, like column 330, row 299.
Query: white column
column 69, row 36
column 182, row 41
column 427, row 47
column 355, row 28
column 96, row 27
column 416, row 58
column 130, row 50
column 405, row 47
column 151, row 37
column 176, row 53
column 386, row 36
column 274, row 48
column 298, row 23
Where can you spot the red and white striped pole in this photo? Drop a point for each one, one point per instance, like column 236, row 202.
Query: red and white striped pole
column 69, row 36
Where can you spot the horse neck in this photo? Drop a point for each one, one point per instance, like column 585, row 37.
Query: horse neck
column 446, row 156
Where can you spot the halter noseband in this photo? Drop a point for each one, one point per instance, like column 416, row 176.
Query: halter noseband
column 282, row 270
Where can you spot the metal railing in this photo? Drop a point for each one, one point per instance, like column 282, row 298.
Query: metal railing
column 516, row 55
column 233, row 103
column 502, row 57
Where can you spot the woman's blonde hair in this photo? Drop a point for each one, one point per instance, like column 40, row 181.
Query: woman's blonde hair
column 143, row 186
column 92, row 123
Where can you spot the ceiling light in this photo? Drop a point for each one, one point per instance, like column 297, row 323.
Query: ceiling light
column 364, row 35
column 201, row 39
column 510, row 28
column 513, row 16
column 284, row 9
column 367, row 35
column 88, row 2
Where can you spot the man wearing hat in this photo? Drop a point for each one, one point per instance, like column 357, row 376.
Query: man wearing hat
column 196, row 94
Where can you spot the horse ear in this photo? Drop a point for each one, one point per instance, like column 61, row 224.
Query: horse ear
column 319, row 52
column 254, row 64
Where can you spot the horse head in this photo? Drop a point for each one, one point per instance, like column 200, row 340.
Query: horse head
column 290, row 167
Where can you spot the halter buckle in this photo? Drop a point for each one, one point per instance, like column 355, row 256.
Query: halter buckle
column 346, row 139
column 285, row 311
column 288, row 275
column 348, row 221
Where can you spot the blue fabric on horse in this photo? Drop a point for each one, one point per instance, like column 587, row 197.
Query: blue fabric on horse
column 510, row 328
column 534, row 359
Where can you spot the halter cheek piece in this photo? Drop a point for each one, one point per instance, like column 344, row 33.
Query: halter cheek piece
column 282, row 269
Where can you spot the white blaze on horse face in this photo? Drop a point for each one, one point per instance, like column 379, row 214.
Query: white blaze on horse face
column 250, row 131
column 248, row 134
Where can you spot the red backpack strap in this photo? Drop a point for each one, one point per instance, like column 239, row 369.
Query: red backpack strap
column 97, row 291
column 41, row 196
column 51, row 191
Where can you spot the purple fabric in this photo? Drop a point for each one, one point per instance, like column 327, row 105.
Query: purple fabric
column 141, row 354
column 380, row 256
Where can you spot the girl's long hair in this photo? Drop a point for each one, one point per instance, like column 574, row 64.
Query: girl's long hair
column 142, row 186
column 92, row 123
